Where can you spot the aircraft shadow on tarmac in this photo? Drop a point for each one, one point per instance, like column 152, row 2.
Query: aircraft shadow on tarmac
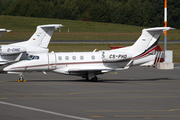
column 101, row 80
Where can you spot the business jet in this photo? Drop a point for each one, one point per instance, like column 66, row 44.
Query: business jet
column 89, row 64
column 38, row 43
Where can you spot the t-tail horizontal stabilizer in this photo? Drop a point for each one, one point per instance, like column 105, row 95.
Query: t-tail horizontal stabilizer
column 3, row 30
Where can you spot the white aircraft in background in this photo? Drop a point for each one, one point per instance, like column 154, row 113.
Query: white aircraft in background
column 3, row 30
column 90, row 64
column 38, row 43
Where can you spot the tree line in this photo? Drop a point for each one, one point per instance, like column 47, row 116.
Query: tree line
column 147, row 13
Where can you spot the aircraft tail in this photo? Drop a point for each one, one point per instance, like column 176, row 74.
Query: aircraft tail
column 42, row 36
column 147, row 42
column 3, row 30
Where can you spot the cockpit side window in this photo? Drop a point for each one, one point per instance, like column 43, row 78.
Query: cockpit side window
column 31, row 57
column 35, row 57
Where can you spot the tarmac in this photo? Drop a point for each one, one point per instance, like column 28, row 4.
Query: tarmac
column 139, row 93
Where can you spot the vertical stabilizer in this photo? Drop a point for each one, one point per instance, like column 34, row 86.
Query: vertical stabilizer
column 42, row 36
column 148, row 40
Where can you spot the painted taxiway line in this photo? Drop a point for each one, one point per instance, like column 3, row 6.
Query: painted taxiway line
column 147, row 116
column 97, row 97
column 112, row 111
column 91, row 92
column 44, row 111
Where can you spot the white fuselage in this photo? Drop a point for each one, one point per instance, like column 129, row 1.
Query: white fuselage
column 68, row 62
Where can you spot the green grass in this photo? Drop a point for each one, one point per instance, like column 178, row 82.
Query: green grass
column 23, row 27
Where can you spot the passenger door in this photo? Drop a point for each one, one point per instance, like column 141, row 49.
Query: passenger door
column 52, row 61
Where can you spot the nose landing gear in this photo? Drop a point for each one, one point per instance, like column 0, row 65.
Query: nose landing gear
column 21, row 79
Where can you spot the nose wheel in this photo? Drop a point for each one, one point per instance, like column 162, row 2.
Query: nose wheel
column 21, row 79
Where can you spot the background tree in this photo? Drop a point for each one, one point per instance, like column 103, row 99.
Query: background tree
column 149, row 13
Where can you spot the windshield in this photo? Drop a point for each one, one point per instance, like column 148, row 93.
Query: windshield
column 31, row 57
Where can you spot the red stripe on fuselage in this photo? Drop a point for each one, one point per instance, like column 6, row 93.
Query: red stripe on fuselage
column 144, row 53
column 57, row 64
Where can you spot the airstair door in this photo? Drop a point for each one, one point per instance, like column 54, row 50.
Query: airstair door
column 52, row 61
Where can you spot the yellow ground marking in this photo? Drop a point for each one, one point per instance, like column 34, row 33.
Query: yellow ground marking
column 128, row 97
column 24, row 94
column 146, row 116
column 98, row 116
column 128, row 91
column 72, row 95
column 174, row 109
column 133, row 110
column 69, row 84
column 3, row 98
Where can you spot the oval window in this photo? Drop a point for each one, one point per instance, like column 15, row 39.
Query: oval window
column 93, row 57
column 74, row 57
column 81, row 57
column 60, row 58
column 67, row 58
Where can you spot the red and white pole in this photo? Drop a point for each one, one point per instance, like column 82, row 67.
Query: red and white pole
column 165, row 25
column 165, row 32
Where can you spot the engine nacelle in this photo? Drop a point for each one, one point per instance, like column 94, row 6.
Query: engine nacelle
column 10, row 49
column 115, row 56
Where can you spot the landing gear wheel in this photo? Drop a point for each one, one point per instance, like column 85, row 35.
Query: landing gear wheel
column 94, row 79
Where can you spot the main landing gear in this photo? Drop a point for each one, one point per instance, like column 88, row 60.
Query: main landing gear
column 94, row 79
column 21, row 79
column 91, row 77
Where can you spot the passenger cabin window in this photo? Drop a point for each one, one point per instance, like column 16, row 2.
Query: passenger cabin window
column 74, row 57
column 67, row 58
column 60, row 58
column 93, row 57
column 82, row 57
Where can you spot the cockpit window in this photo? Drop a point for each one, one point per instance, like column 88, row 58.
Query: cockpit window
column 31, row 57
column 35, row 57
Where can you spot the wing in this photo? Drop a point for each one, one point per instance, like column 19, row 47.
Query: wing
column 81, row 71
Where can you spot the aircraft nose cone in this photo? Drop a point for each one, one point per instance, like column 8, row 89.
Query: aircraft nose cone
column 8, row 68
